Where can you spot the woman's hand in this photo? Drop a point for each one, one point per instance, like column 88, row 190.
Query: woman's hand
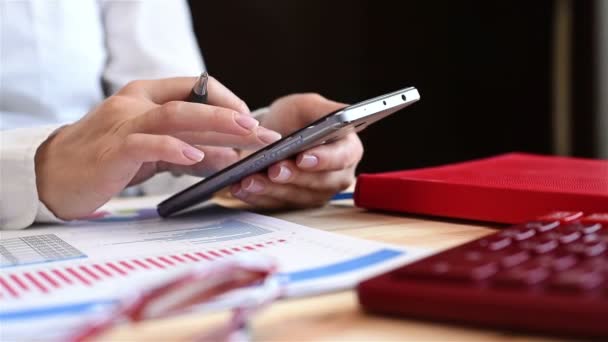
column 316, row 174
column 142, row 130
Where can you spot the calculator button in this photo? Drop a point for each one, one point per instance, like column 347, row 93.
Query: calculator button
column 465, row 270
column 514, row 258
column 529, row 273
column 590, row 228
column 453, row 268
column 518, row 233
column 595, row 238
column 542, row 227
column 577, row 279
column 589, row 246
column 562, row 216
column 506, row 258
column 564, row 236
column 598, row 264
column 495, row 242
column 582, row 227
column 558, row 261
column 597, row 218
column 539, row 245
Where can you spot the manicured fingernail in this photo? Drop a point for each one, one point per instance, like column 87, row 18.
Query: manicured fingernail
column 245, row 109
column 308, row 160
column 267, row 135
column 283, row 175
column 253, row 186
column 238, row 192
column 193, row 154
column 246, row 121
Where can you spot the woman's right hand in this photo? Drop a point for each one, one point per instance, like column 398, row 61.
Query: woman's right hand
column 143, row 129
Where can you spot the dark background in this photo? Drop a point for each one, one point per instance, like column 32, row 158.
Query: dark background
column 484, row 69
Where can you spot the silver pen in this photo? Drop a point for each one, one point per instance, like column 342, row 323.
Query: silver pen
column 199, row 91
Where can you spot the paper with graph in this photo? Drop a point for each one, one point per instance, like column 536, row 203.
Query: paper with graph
column 62, row 271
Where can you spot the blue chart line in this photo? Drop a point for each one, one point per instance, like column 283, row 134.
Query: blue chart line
column 223, row 231
column 341, row 267
column 293, row 277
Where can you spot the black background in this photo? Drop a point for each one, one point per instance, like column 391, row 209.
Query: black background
column 483, row 68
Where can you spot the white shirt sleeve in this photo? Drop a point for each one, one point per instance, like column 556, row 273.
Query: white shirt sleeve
column 148, row 39
column 19, row 203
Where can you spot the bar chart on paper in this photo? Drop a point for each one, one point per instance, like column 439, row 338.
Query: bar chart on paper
column 70, row 270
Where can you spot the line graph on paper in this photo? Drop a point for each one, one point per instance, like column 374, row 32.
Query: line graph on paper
column 221, row 231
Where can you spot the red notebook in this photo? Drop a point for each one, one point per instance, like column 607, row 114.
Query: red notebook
column 508, row 188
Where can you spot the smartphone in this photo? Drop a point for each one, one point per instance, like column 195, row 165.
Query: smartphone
column 330, row 127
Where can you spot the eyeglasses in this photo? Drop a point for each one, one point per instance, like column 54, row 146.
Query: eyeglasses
column 196, row 286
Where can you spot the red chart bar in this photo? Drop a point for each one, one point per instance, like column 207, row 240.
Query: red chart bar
column 19, row 282
column 189, row 256
column 78, row 276
column 8, row 287
column 176, row 257
column 116, row 269
column 140, row 264
column 282, row 240
column 166, row 261
column 236, row 249
column 249, row 248
column 225, row 251
column 127, row 265
column 62, row 277
column 259, row 245
column 102, row 270
column 203, row 255
column 89, row 272
column 215, row 254
column 35, row 281
column 49, row 279
column 153, row 262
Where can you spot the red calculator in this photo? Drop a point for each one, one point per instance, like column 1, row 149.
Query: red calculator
column 548, row 275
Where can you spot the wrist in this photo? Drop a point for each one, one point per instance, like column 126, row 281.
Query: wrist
column 43, row 160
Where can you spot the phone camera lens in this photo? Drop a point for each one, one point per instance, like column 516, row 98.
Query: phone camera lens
column 403, row 97
column 384, row 103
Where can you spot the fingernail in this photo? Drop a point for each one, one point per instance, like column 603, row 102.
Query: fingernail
column 193, row 154
column 267, row 135
column 253, row 186
column 283, row 175
column 308, row 160
column 245, row 109
column 238, row 192
column 246, row 121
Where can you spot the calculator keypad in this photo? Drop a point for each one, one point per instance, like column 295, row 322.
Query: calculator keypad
column 538, row 275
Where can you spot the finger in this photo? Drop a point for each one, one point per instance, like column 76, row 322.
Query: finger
column 286, row 172
column 216, row 158
column 259, row 201
column 177, row 116
column 221, row 96
column 122, row 162
column 261, row 138
column 341, row 154
column 178, row 89
column 257, row 186
column 142, row 148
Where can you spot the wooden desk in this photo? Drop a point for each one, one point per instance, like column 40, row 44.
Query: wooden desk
column 337, row 317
